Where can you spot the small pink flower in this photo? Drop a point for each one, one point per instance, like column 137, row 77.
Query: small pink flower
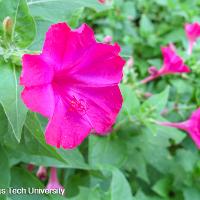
column 193, row 33
column 73, row 82
column 107, row 39
column 42, row 173
column 172, row 64
column 192, row 126
column 53, row 182
column 102, row 1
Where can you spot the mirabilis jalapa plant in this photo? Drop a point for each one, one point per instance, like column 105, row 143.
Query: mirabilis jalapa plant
column 59, row 84
column 72, row 83
column 172, row 64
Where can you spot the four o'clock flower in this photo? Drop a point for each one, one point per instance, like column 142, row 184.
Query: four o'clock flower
column 172, row 64
column 53, row 182
column 42, row 173
column 193, row 33
column 73, row 82
column 102, row 1
column 192, row 126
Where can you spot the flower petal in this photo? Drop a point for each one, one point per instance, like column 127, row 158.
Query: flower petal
column 173, row 63
column 64, row 46
column 35, row 71
column 56, row 42
column 66, row 128
column 101, row 66
column 101, row 104
column 39, row 99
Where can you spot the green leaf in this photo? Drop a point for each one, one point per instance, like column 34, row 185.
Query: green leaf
column 24, row 28
column 3, row 123
column 10, row 98
column 120, row 188
column 23, row 179
column 103, row 151
column 88, row 193
column 4, row 171
column 162, row 187
column 191, row 194
column 157, row 102
column 146, row 26
column 60, row 10
column 23, row 24
column 131, row 103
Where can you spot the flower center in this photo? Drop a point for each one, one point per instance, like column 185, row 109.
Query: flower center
column 78, row 105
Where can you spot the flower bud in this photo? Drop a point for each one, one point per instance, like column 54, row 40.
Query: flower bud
column 42, row 173
column 8, row 25
column 107, row 39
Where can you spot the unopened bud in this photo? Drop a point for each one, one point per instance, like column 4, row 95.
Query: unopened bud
column 42, row 173
column 107, row 39
column 153, row 70
column 102, row 1
column 8, row 25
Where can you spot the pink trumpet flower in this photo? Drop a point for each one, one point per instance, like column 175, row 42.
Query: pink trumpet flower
column 193, row 33
column 73, row 82
column 172, row 64
column 53, row 182
column 192, row 126
column 42, row 173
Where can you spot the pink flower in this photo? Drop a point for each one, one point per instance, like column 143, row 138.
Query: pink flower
column 53, row 182
column 192, row 126
column 193, row 33
column 107, row 39
column 42, row 173
column 172, row 64
column 102, row 1
column 73, row 82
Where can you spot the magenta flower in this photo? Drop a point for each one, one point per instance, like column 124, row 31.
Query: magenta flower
column 42, row 173
column 192, row 126
column 102, row 1
column 193, row 33
column 53, row 182
column 172, row 64
column 73, row 82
